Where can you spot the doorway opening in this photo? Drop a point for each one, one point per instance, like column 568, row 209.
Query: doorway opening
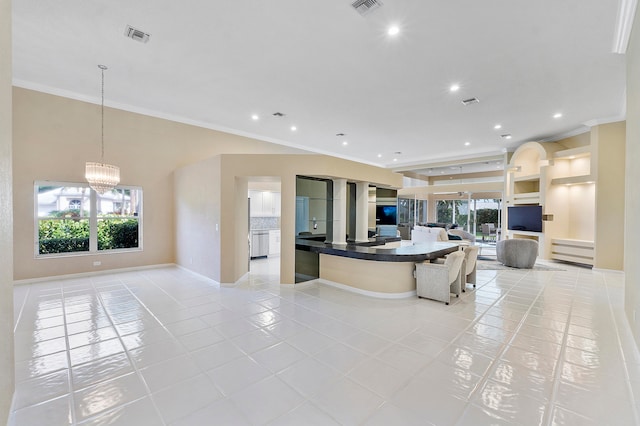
column 264, row 194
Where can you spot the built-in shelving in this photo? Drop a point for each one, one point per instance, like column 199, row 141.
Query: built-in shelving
column 526, row 189
column 571, row 250
column 537, row 173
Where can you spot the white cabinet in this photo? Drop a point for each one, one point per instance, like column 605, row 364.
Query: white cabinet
column 569, row 250
column 274, row 242
column 255, row 205
column 264, row 203
column 276, row 203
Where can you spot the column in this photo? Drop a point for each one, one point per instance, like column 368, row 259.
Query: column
column 362, row 211
column 340, row 211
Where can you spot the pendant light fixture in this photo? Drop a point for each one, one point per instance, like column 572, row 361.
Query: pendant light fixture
column 102, row 177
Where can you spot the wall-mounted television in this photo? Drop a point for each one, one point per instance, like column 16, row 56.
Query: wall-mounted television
column 525, row 218
column 386, row 215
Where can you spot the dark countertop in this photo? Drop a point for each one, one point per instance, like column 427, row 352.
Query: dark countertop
column 417, row 253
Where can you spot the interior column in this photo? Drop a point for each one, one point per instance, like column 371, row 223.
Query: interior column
column 340, row 211
column 362, row 211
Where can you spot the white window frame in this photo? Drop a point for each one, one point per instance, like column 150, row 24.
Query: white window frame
column 93, row 221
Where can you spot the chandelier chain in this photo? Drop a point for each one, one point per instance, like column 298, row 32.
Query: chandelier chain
column 102, row 118
column 102, row 177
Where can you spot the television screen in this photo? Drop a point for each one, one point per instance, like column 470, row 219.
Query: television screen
column 525, row 218
column 386, row 215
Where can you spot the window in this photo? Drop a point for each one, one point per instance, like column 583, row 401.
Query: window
column 75, row 204
column 72, row 218
column 412, row 211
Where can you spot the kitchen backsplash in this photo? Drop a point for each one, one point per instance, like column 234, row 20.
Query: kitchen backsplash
column 265, row 223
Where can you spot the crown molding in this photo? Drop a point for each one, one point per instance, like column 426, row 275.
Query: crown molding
column 624, row 24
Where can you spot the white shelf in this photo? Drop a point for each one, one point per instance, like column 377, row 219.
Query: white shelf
column 573, row 180
column 570, row 154
column 526, row 198
column 527, row 178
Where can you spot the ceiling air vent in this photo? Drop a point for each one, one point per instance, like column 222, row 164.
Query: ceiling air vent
column 470, row 101
column 135, row 34
column 278, row 114
column 364, row 7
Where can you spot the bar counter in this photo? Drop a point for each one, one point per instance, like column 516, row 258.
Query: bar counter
column 371, row 268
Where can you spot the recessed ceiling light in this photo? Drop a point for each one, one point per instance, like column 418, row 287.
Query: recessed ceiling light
column 454, row 87
column 393, row 30
column 255, row 117
column 557, row 115
column 294, row 128
column 497, row 126
column 467, row 143
column 442, row 172
column 571, row 157
column 345, row 143
column 506, row 136
column 379, row 155
column 395, row 159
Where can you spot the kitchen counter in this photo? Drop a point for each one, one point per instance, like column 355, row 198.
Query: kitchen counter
column 373, row 270
column 375, row 249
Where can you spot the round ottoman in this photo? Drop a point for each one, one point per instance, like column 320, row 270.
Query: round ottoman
column 517, row 252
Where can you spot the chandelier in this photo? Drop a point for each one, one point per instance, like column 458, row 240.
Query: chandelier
column 102, row 177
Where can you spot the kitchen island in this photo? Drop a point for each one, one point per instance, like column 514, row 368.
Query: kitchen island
column 370, row 268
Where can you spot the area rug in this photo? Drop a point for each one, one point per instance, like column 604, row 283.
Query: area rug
column 484, row 264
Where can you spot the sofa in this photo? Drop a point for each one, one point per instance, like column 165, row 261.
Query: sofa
column 464, row 235
column 423, row 234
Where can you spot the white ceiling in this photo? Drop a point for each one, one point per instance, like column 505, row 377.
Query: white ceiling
column 215, row 63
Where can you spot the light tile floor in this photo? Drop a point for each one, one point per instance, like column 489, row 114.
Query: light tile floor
column 166, row 347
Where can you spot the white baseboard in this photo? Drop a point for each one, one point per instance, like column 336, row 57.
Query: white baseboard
column 607, row 271
column 304, row 284
column 91, row 274
column 375, row 294
column 204, row 277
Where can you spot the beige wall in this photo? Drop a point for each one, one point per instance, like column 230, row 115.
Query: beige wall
column 632, row 194
column 196, row 215
column 54, row 136
column 608, row 157
column 233, row 230
column 6, row 229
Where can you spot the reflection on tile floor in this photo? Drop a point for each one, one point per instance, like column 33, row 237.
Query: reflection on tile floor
column 166, row 347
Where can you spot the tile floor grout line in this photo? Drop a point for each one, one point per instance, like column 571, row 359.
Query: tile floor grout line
column 450, row 343
column 630, row 391
column 560, row 361
column 21, row 312
column 519, row 302
column 485, row 378
column 72, row 402
column 126, row 351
